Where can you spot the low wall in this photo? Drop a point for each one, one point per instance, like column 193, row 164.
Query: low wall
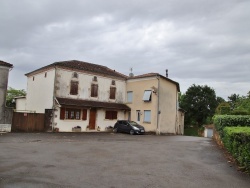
column 5, row 127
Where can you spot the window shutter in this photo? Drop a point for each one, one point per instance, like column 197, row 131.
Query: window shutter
column 84, row 114
column 114, row 115
column 94, row 90
column 62, row 113
column 112, row 93
column 74, row 88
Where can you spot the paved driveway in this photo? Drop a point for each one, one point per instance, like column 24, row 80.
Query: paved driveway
column 113, row 160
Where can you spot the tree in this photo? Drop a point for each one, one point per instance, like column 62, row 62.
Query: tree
column 11, row 94
column 200, row 103
column 233, row 99
column 220, row 100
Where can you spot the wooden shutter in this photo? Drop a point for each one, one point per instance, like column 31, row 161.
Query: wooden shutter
column 114, row 115
column 74, row 88
column 112, row 93
column 94, row 90
column 84, row 114
column 62, row 113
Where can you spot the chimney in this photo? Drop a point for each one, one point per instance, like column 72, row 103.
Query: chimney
column 167, row 73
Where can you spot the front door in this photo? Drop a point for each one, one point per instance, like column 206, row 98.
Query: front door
column 92, row 118
column 138, row 116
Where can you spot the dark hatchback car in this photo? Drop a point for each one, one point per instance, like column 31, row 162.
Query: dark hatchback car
column 130, row 127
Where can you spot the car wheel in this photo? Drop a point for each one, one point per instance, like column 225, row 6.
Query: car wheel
column 131, row 132
column 115, row 130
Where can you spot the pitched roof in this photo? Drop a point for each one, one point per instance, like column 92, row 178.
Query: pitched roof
column 83, row 66
column 88, row 103
column 2, row 63
column 152, row 74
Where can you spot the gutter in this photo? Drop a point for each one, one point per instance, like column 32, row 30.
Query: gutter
column 53, row 98
column 158, row 132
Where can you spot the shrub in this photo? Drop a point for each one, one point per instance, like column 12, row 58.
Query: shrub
column 221, row 121
column 237, row 142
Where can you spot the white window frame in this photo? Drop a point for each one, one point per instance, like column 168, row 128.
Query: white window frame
column 129, row 96
column 147, row 116
column 147, row 96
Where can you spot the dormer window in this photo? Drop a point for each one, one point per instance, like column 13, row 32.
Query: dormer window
column 113, row 82
column 95, row 79
column 75, row 75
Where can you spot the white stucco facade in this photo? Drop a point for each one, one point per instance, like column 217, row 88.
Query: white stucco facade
column 66, row 93
column 40, row 88
column 64, row 78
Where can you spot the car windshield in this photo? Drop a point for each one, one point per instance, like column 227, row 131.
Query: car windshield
column 133, row 123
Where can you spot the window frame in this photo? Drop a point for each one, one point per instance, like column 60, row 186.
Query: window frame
column 129, row 92
column 71, row 114
column 74, row 87
column 112, row 93
column 147, row 96
column 147, row 119
column 94, row 90
column 111, row 114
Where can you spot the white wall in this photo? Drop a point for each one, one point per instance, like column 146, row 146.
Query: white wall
column 64, row 77
column 67, row 125
column 20, row 104
column 40, row 91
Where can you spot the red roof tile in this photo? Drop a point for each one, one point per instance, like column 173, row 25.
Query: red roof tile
column 2, row 63
column 83, row 66
column 152, row 74
column 89, row 103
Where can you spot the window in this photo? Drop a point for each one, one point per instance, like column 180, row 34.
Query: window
column 75, row 75
column 130, row 96
column 147, row 116
column 74, row 88
column 112, row 92
column 138, row 115
column 147, row 96
column 95, row 78
column 94, row 90
column 68, row 113
column 113, row 82
column 33, row 78
column 111, row 115
column 45, row 75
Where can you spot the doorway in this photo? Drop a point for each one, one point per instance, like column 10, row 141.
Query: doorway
column 92, row 118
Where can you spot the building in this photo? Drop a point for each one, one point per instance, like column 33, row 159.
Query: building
column 5, row 113
column 153, row 100
column 92, row 97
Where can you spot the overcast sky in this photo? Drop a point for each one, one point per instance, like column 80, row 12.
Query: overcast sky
column 198, row 41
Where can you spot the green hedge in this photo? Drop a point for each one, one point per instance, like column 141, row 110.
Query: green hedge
column 221, row 121
column 237, row 142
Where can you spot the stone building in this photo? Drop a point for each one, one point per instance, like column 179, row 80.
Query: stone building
column 5, row 113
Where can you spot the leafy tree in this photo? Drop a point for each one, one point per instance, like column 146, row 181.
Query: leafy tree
column 11, row 94
column 200, row 103
column 220, row 100
column 223, row 108
column 232, row 99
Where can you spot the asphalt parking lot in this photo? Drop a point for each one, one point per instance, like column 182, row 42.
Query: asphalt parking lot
column 113, row 160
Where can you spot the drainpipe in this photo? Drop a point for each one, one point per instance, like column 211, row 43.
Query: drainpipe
column 54, row 106
column 158, row 132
